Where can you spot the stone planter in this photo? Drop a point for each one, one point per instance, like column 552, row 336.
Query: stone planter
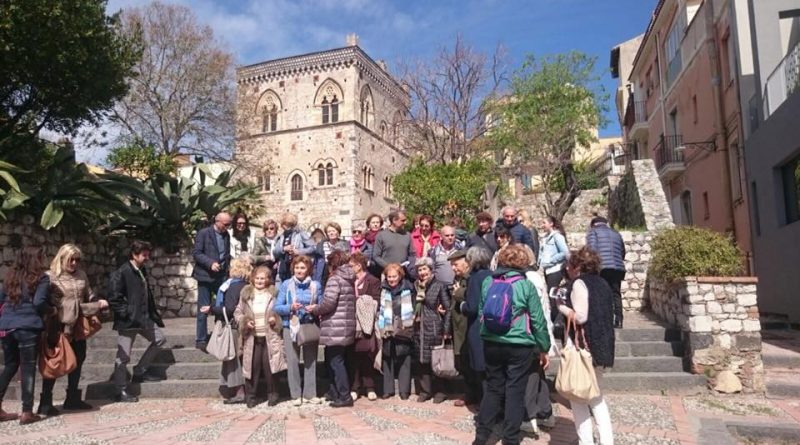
column 719, row 320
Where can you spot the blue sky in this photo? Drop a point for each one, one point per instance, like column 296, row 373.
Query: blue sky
column 258, row 30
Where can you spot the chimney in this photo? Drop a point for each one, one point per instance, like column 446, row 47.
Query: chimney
column 352, row 39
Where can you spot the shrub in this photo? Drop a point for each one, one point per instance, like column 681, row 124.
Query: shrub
column 693, row 251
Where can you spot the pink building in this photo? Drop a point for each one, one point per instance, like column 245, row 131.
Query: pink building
column 684, row 113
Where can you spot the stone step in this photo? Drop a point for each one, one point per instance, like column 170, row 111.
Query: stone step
column 654, row 365
column 175, row 371
column 165, row 356
column 648, row 335
column 649, row 349
column 782, row 384
column 174, row 339
column 672, row 383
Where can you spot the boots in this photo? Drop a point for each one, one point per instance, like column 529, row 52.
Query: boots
column 5, row 417
column 29, row 417
column 74, row 401
column 45, row 406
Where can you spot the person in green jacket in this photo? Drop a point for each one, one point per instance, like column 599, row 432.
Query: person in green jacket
column 511, row 356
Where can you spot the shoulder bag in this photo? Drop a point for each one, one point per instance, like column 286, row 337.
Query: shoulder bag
column 576, row 379
column 221, row 343
column 56, row 359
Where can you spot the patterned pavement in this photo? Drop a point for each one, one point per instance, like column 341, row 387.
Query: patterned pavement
column 638, row 419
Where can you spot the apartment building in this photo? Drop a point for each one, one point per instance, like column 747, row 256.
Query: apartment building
column 684, row 112
column 772, row 152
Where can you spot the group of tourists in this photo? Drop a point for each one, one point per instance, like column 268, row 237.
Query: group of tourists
column 382, row 303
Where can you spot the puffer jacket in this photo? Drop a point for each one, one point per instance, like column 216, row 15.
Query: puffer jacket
column 608, row 244
column 338, row 309
column 431, row 326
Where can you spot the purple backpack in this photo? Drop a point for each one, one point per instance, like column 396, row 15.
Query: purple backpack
column 497, row 316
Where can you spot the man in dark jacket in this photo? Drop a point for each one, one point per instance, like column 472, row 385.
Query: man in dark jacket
column 519, row 233
column 134, row 308
column 608, row 244
column 211, row 260
column 483, row 235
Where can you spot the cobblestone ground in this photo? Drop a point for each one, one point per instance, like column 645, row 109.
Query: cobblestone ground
column 638, row 419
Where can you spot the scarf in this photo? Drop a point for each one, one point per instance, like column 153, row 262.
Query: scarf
column 355, row 246
column 386, row 314
column 426, row 243
column 371, row 235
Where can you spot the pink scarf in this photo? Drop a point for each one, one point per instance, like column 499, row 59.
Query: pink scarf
column 355, row 246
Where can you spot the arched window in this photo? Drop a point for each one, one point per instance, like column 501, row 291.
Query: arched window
column 297, row 188
column 366, row 106
column 264, row 180
column 269, row 107
column 329, row 96
column 368, row 175
column 387, row 186
column 396, row 121
column 383, row 130
column 329, row 174
column 321, row 174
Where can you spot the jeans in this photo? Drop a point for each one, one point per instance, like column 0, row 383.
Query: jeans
column 308, row 386
column 614, row 279
column 397, row 360
column 124, row 345
column 74, row 377
column 259, row 370
column 206, row 291
column 507, row 369
column 334, row 359
column 20, row 348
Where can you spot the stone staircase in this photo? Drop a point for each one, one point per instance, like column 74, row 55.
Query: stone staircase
column 648, row 359
column 780, row 352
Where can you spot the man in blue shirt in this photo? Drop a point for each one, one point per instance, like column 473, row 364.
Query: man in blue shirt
column 211, row 260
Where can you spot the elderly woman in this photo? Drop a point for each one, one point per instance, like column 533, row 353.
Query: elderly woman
column 396, row 323
column 332, row 242
column 432, row 327
column 338, row 326
column 231, row 379
column 478, row 259
column 264, row 245
column 510, row 352
column 358, row 243
column 72, row 295
column 374, row 227
column 290, row 243
column 590, row 308
column 362, row 356
column 298, row 298
column 262, row 346
column 24, row 300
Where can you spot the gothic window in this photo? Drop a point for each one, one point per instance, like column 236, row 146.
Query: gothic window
column 264, row 181
column 383, row 130
column 329, row 174
column 321, row 173
column 396, row 127
column 368, row 175
column 297, row 187
column 387, row 186
column 328, row 99
column 366, row 106
column 269, row 107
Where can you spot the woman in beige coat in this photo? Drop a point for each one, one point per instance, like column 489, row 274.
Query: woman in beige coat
column 262, row 344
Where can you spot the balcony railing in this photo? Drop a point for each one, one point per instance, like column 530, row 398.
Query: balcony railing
column 640, row 111
column 692, row 40
column 669, row 151
column 783, row 82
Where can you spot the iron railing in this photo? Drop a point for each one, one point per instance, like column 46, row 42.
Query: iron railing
column 669, row 151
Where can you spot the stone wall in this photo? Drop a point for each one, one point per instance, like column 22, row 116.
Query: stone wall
column 587, row 205
column 639, row 201
column 174, row 289
column 720, row 323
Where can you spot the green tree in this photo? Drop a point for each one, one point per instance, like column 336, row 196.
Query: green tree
column 11, row 195
column 63, row 64
column 140, row 160
column 444, row 190
column 554, row 106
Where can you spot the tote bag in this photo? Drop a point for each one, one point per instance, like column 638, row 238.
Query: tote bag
column 221, row 343
column 443, row 361
column 576, row 379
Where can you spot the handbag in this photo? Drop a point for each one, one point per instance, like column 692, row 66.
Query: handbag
column 221, row 343
column 576, row 379
column 87, row 326
column 443, row 361
column 57, row 360
column 307, row 333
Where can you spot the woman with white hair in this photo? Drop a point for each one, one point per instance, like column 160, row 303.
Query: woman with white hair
column 432, row 327
column 72, row 295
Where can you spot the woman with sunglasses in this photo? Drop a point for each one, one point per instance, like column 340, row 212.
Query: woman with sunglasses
column 242, row 238
column 72, row 295
column 263, row 245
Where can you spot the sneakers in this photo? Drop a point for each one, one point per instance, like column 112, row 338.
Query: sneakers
column 354, row 395
column 297, row 402
column 371, row 396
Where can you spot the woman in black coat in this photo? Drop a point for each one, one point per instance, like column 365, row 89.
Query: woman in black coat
column 478, row 259
column 432, row 327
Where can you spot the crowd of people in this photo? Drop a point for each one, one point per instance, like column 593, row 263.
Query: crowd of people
column 379, row 302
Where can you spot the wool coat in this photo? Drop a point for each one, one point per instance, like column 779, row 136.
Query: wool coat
column 431, row 327
column 338, row 309
column 131, row 299
column 274, row 339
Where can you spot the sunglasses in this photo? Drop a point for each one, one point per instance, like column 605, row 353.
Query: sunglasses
column 358, row 231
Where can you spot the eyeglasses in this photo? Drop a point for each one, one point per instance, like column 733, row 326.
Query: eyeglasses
column 357, row 231
column 75, row 260
column 271, row 229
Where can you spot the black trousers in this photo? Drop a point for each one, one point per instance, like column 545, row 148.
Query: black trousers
column 397, row 361
column 427, row 383
column 74, row 377
column 335, row 361
column 20, row 348
column 259, row 371
column 614, row 279
column 474, row 381
column 507, row 369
